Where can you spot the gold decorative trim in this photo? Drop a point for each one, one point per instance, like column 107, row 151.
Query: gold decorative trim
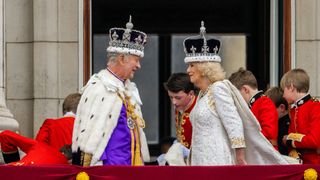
column 211, row 101
column 294, row 154
column 310, row 174
column 295, row 137
column 180, row 121
column 237, row 142
column 82, row 176
column 87, row 159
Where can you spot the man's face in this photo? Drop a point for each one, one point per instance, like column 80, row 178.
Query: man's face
column 180, row 100
column 130, row 64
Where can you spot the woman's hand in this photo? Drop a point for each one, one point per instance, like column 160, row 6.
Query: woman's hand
column 240, row 156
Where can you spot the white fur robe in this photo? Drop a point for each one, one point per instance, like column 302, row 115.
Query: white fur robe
column 98, row 113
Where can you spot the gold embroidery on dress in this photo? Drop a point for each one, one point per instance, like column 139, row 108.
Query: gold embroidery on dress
column 211, row 101
column 237, row 142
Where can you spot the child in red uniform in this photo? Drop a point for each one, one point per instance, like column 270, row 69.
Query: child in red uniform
column 261, row 106
column 183, row 96
column 53, row 135
column 276, row 95
column 304, row 130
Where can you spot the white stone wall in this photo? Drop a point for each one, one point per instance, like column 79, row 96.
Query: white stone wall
column 42, row 59
column 55, row 56
column 308, row 41
column 7, row 120
column 19, row 59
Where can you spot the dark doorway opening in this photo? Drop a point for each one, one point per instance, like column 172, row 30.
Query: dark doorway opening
column 166, row 17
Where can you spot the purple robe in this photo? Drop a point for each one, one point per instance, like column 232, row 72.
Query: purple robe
column 118, row 150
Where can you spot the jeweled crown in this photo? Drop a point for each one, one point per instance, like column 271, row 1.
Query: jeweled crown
column 200, row 49
column 128, row 41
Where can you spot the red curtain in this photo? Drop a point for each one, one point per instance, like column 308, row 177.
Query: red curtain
column 54, row 172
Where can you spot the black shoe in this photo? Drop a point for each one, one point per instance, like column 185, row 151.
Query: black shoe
column 12, row 157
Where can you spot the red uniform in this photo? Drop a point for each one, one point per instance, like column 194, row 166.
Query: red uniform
column 56, row 132
column 45, row 149
column 183, row 125
column 266, row 113
column 305, row 120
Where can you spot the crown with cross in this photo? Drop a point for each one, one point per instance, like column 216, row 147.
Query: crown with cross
column 200, row 49
column 127, row 41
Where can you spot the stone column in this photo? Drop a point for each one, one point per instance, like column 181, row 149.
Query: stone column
column 55, row 56
column 6, row 118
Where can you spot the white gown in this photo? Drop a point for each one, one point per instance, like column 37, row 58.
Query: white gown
column 217, row 128
column 222, row 121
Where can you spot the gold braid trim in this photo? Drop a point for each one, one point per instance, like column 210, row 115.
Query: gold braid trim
column 294, row 154
column 87, row 159
column 295, row 137
column 310, row 174
column 130, row 111
column 136, row 159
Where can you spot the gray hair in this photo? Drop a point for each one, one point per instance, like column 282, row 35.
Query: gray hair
column 112, row 58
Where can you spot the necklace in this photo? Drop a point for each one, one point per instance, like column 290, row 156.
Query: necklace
column 203, row 93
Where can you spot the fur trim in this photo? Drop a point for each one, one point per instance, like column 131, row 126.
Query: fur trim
column 98, row 113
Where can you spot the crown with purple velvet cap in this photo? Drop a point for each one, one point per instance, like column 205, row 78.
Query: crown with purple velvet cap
column 127, row 41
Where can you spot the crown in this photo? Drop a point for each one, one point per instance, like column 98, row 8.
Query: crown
column 127, row 41
column 200, row 49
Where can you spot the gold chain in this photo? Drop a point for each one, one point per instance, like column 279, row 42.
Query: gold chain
column 130, row 111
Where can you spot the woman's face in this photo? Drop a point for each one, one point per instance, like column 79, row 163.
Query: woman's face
column 194, row 73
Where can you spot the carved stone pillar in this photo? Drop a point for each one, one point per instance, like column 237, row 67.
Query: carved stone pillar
column 6, row 118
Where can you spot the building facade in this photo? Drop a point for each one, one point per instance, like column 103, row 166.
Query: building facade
column 49, row 48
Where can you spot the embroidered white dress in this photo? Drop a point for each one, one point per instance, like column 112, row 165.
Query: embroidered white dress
column 217, row 128
column 222, row 121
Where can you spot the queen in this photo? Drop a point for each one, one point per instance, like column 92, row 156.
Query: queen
column 225, row 132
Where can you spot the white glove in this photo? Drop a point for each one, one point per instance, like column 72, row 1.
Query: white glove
column 174, row 155
column 161, row 160
column 185, row 150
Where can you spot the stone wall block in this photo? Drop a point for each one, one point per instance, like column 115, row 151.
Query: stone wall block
column 45, row 20
column 306, row 11
column 19, row 21
column 68, row 20
column 46, row 70
column 19, row 71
